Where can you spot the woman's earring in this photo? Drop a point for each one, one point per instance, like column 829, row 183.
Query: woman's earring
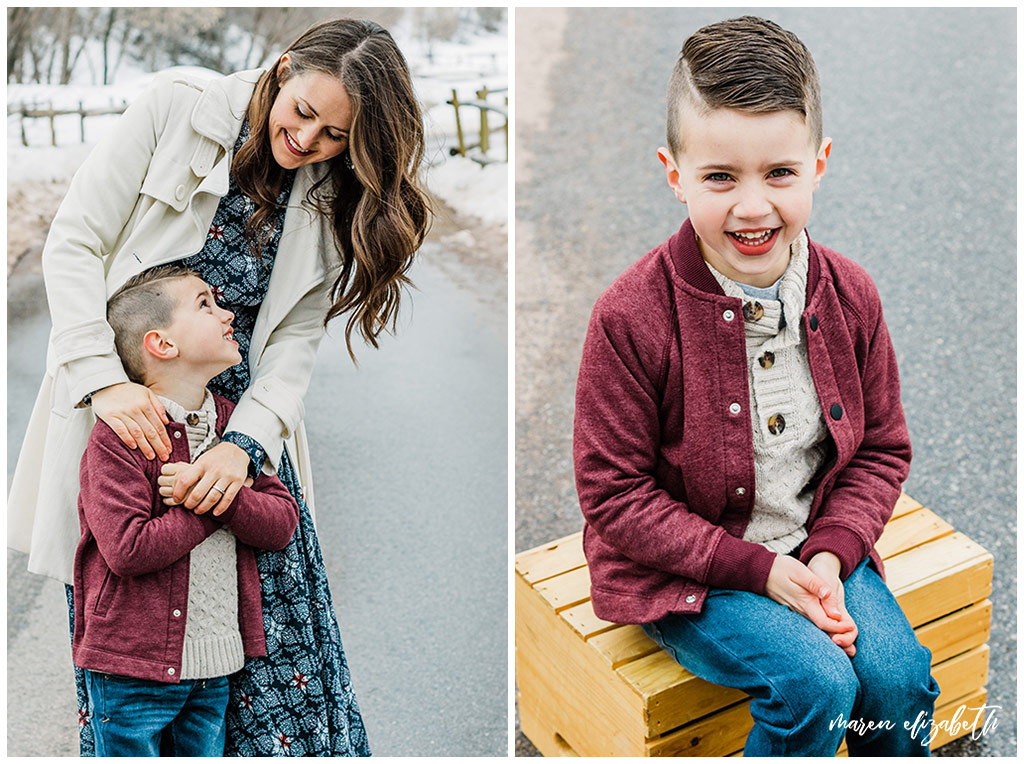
column 348, row 161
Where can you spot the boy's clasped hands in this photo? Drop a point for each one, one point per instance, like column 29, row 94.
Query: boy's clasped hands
column 814, row 591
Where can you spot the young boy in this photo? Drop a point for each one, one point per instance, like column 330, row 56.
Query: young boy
column 739, row 439
column 167, row 602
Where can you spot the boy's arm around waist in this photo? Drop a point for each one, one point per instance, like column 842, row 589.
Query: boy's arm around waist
column 117, row 497
column 854, row 512
column 616, row 436
column 264, row 516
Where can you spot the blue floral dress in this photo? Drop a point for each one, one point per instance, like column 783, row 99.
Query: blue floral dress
column 298, row 700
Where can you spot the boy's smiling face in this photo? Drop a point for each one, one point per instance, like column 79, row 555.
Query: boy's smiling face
column 747, row 180
column 200, row 334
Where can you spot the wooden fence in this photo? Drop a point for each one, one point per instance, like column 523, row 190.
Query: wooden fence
column 25, row 111
column 484, row 140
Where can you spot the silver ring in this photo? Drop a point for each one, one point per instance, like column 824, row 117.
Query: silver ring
column 217, row 488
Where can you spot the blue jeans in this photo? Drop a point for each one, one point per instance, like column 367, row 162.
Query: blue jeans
column 805, row 691
column 132, row 715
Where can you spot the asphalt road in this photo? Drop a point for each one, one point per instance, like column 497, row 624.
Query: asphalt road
column 920, row 190
column 410, row 462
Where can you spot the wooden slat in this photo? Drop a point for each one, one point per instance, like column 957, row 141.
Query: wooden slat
column 911, row 530
column 904, row 505
column 958, row 632
column 939, row 577
column 622, row 644
column 551, row 559
column 583, row 620
column 565, row 589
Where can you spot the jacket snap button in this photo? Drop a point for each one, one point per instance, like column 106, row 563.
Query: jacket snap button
column 814, row 323
column 776, row 424
column 177, row 613
column 728, row 315
column 741, row 491
column 836, row 412
column 735, row 408
column 177, row 434
column 691, row 598
column 753, row 311
column 767, row 360
column 179, row 192
column 171, row 671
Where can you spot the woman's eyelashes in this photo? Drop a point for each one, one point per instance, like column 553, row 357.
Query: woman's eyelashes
column 303, row 115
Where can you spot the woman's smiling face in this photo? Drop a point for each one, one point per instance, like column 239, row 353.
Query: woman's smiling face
column 310, row 119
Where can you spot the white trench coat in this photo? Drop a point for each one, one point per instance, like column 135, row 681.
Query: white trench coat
column 146, row 195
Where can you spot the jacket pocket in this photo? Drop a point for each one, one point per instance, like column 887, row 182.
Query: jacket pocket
column 106, row 594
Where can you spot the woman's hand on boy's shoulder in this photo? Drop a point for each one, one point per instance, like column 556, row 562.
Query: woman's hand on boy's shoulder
column 136, row 416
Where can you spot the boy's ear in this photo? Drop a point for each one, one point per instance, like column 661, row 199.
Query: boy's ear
column 822, row 161
column 671, row 173
column 159, row 346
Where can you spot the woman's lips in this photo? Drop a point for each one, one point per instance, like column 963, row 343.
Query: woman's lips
column 753, row 246
column 293, row 146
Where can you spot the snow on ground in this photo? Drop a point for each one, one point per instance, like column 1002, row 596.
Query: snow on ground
column 468, row 64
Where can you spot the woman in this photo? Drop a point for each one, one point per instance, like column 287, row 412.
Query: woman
column 293, row 192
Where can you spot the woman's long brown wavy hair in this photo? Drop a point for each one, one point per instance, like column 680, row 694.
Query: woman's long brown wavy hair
column 371, row 192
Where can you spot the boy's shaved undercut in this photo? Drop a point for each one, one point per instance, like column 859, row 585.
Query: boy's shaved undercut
column 748, row 64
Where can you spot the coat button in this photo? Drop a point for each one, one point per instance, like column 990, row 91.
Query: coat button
column 741, row 491
column 776, row 424
column 177, row 433
column 179, row 192
column 171, row 671
column 753, row 311
column 177, row 613
column 836, row 412
column 691, row 598
column 767, row 360
column 814, row 323
column 735, row 408
column 728, row 315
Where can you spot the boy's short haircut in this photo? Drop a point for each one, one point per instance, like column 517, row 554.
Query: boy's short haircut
column 142, row 304
column 749, row 64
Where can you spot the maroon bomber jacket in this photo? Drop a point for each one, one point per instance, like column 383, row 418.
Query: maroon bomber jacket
column 132, row 562
column 664, row 471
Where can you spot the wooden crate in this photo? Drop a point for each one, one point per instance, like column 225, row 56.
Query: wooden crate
column 588, row 687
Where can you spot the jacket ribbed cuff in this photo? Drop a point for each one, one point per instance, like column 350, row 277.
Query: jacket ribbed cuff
column 739, row 564
column 842, row 542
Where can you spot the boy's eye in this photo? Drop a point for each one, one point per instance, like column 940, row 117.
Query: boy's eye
column 780, row 172
column 719, row 177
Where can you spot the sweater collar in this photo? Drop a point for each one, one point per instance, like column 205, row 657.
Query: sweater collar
column 690, row 266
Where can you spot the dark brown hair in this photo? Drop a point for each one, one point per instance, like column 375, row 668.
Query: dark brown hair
column 749, row 64
column 141, row 304
column 371, row 192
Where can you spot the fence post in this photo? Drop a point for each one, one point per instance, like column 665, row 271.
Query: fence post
column 53, row 127
column 485, row 133
column 458, row 123
column 21, row 120
column 81, row 114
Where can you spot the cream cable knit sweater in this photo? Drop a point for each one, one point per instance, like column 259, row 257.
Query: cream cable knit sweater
column 788, row 425
column 213, row 642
